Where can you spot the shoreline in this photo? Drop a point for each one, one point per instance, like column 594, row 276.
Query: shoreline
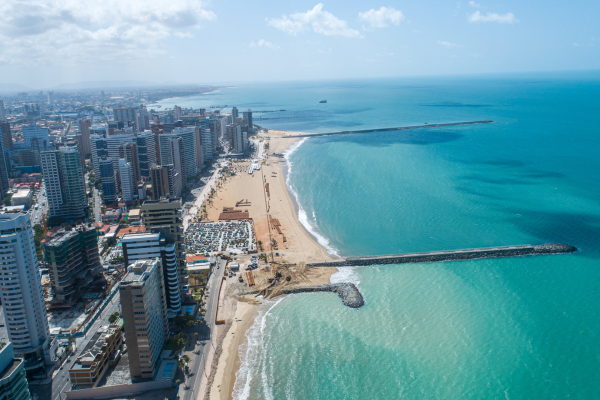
column 296, row 244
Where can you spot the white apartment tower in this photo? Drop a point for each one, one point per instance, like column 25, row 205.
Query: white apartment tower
column 22, row 296
column 128, row 184
column 188, row 134
column 207, row 144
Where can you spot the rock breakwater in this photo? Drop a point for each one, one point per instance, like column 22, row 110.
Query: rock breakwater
column 348, row 292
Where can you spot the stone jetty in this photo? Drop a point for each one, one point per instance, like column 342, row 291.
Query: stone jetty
column 449, row 255
column 348, row 292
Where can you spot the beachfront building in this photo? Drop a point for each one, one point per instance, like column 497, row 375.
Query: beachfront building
column 74, row 261
column 248, row 121
column 207, row 144
column 65, row 185
column 144, row 311
column 102, row 349
column 165, row 181
column 199, row 148
column 22, row 296
column 164, row 215
column 13, row 379
column 149, row 246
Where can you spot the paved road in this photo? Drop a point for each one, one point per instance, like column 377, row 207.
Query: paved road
column 36, row 215
column 208, row 327
column 60, row 381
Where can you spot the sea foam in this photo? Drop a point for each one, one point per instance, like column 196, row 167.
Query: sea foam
column 309, row 225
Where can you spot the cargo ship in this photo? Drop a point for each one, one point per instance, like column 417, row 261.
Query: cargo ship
column 323, row 101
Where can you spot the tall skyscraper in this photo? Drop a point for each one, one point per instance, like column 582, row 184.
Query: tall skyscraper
column 128, row 185
column 149, row 246
column 13, row 379
column 207, row 145
column 165, row 216
column 165, row 181
column 128, row 151
column 6, row 135
column 234, row 115
column 99, row 147
column 177, row 112
column 188, row 134
column 146, row 148
column 2, row 116
column 237, row 144
column 22, row 296
column 84, row 129
column 248, row 121
column 144, row 310
column 142, row 119
column 74, row 261
column 4, row 168
column 65, row 185
column 108, row 177
column 50, row 97
column 178, row 160
column 199, row 151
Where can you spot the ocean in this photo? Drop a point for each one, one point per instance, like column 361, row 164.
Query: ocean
column 514, row 328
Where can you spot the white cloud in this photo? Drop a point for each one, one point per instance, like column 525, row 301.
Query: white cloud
column 508, row 18
column 473, row 4
column 447, row 45
column 382, row 17
column 321, row 22
column 264, row 43
column 43, row 31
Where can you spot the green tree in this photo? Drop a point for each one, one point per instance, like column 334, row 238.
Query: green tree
column 7, row 200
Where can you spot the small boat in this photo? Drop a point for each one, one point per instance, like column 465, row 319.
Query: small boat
column 323, row 101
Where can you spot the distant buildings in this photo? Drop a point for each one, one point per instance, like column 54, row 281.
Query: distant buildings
column 36, row 137
column 125, row 114
column 144, row 311
column 13, row 380
column 50, row 97
column 74, row 261
column 65, row 190
column 22, row 296
column 149, row 246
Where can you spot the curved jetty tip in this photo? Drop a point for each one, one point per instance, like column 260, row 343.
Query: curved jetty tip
column 348, row 292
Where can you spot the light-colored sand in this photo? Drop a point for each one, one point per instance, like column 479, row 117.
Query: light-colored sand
column 298, row 247
column 229, row 360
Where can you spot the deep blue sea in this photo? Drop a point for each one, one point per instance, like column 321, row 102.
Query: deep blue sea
column 518, row 328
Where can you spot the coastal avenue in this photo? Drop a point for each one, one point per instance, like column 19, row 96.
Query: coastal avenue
column 199, row 364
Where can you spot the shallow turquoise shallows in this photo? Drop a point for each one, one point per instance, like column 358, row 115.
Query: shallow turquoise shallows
column 518, row 328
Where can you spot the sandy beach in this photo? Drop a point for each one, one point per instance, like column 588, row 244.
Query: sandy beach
column 289, row 248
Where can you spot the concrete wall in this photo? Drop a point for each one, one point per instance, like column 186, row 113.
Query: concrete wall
column 117, row 390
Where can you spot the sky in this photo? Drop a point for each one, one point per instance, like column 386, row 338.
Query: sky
column 44, row 43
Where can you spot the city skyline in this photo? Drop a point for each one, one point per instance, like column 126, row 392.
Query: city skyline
column 56, row 43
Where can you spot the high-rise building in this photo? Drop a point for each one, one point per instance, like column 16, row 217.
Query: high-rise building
column 146, row 148
column 124, row 115
column 4, row 168
column 237, row 144
column 165, row 181
column 199, row 151
column 128, row 151
column 13, row 379
column 84, row 129
column 51, row 97
column 74, row 261
column 2, row 116
column 248, row 121
column 172, row 152
column 108, row 147
column 108, row 177
column 165, row 216
column 188, row 134
column 128, row 185
column 234, row 115
column 177, row 111
column 99, row 147
column 36, row 137
column 65, row 185
column 6, row 135
column 207, row 144
column 22, row 296
column 144, row 310
column 149, row 246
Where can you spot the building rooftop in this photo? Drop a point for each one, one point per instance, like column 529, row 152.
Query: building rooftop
column 138, row 271
column 21, row 193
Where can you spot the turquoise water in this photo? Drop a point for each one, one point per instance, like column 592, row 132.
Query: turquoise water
column 520, row 328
